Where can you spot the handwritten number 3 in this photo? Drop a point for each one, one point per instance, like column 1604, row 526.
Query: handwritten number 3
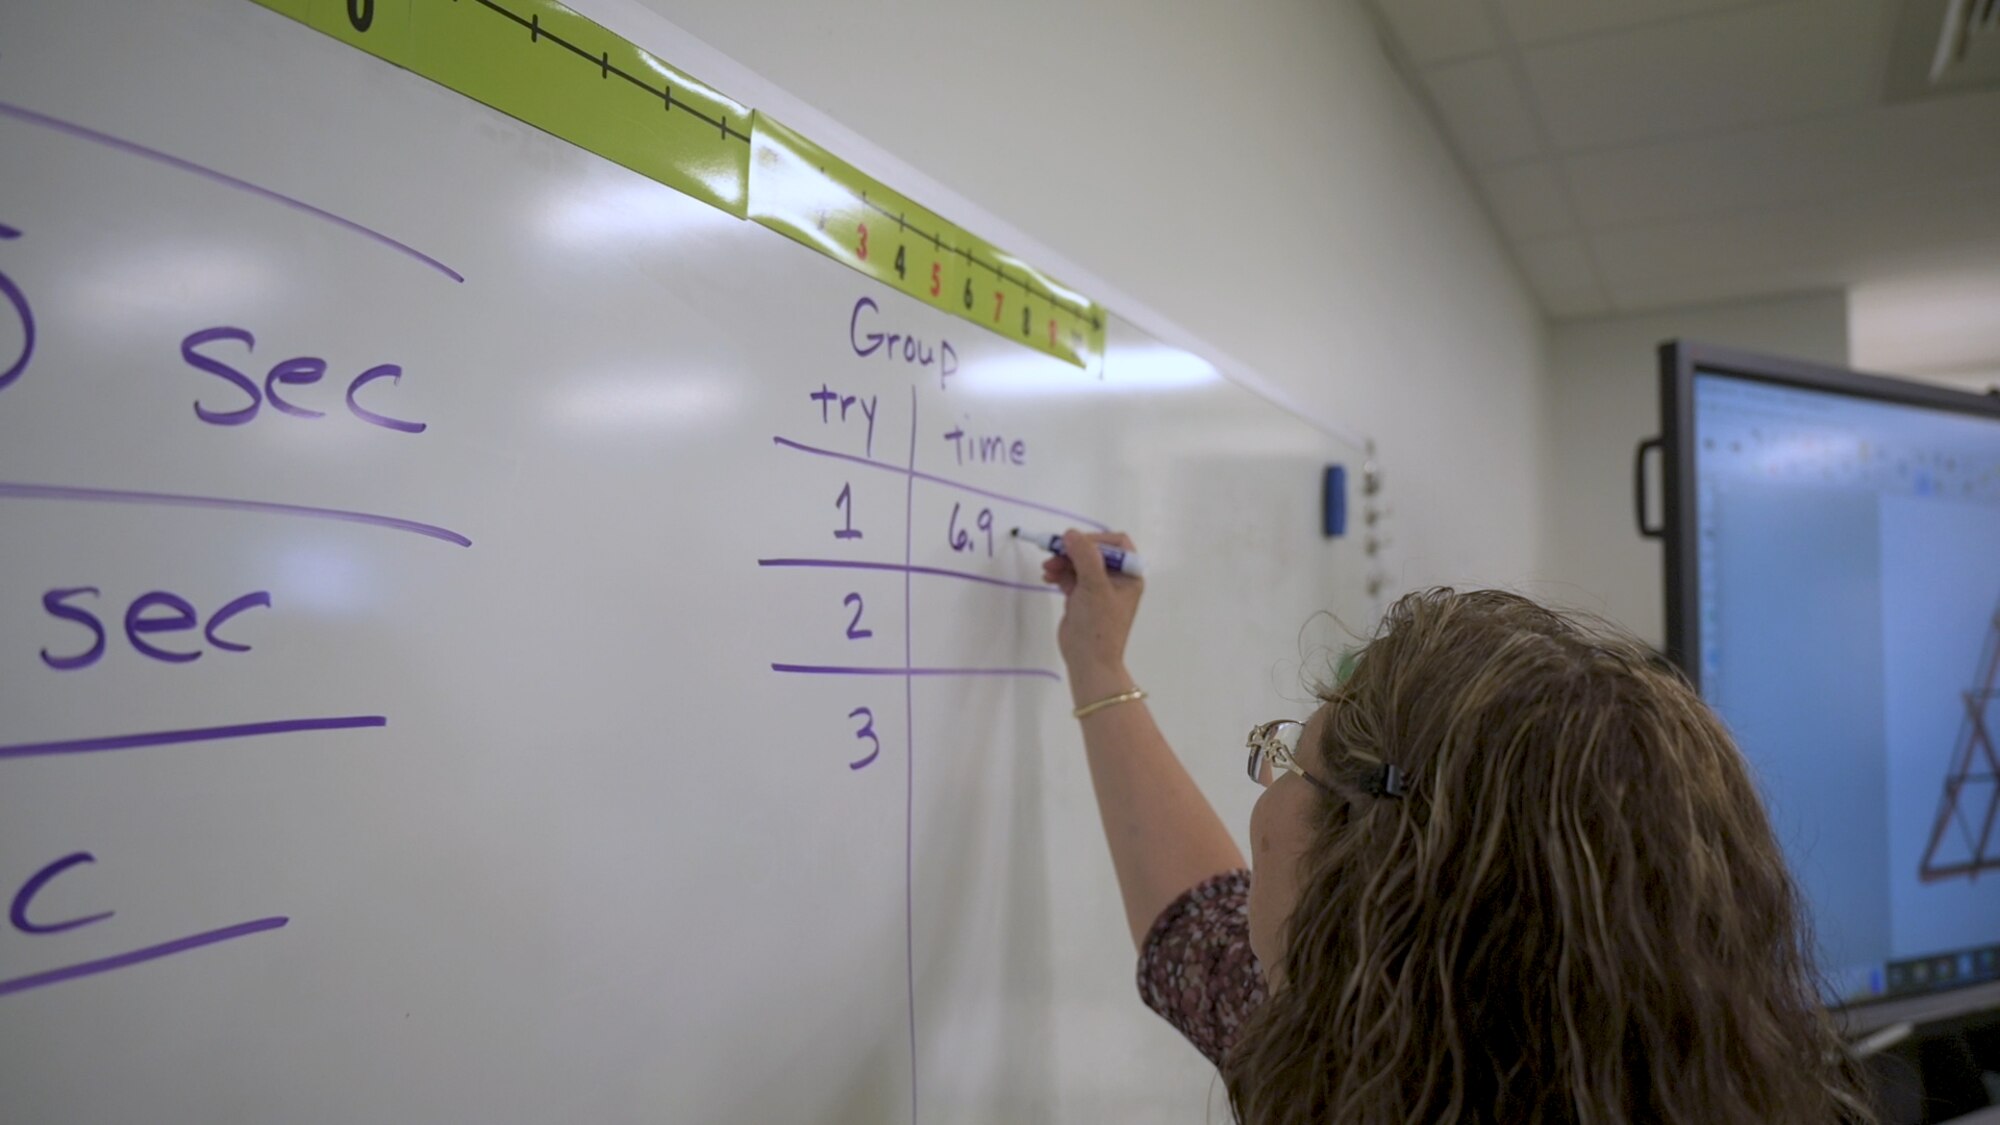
column 867, row 734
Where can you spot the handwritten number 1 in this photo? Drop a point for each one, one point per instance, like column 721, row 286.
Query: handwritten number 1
column 845, row 502
column 361, row 13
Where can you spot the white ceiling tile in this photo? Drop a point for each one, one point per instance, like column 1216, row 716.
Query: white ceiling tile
column 1741, row 67
column 1560, row 273
column 1431, row 30
column 1528, row 201
column 1482, row 107
column 1884, row 152
column 1945, row 227
column 1532, row 21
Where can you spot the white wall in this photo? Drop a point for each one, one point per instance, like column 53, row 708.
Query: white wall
column 1605, row 376
column 1978, row 382
column 1255, row 172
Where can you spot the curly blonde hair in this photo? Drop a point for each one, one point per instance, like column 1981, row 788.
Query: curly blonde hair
column 1579, row 913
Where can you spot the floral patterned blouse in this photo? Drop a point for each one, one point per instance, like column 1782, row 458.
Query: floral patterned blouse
column 1196, row 969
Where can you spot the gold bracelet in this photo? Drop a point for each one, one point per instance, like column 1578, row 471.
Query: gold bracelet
column 1088, row 709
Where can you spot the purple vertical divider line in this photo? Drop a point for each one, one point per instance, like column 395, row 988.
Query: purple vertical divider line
column 910, row 755
column 120, row 144
column 140, row 956
column 947, row 482
column 16, row 490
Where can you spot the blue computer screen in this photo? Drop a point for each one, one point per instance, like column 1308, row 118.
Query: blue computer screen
column 1847, row 610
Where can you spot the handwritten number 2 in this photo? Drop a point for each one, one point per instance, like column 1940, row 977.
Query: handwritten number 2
column 854, row 630
column 361, row 13
column 866, row 734
column 845, row 502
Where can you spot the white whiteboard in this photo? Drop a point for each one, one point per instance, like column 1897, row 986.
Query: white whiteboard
column 602, row 859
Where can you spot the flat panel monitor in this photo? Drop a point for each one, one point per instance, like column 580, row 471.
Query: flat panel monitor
column 1833, row 589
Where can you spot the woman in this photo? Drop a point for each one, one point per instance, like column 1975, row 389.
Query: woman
column 1508, row 871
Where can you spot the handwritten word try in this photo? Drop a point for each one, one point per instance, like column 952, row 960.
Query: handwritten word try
column 831, row 400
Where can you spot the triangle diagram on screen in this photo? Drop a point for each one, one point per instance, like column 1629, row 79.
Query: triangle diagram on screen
column 1963, row 842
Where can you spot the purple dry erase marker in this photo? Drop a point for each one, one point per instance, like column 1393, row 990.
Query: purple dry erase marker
column 1117, row 560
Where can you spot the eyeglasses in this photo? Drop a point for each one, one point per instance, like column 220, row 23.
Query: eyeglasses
column 1274, row 749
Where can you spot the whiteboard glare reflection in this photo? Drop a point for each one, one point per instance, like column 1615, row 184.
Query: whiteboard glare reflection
column 647, row 401
column 618, row 211
column 165, row 278
column 1138, row 369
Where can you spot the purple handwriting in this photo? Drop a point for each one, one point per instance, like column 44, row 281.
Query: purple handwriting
column 865, row 734
column 140, row 956
column 25, row 897
column 151, row 613
column 905, row 568
column 845, row 502
column 980, row 449
column 299, row 371
column 899, row 346
column 864, row 670
column 21, row 490
column 19, row 301
column 854, row 630
column 183, row 737
column 133, row 148
column 1077, row 517
column 960, row 539
column 829, row 400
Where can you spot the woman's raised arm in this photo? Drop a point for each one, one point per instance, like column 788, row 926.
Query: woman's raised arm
column 1164, row 835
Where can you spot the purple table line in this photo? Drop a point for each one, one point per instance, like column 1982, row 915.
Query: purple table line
column 16, row 490
column 71, row 128
column 196, row 734
column 935, row 571
column 932, row 478
column 910, row 755
column 140, row 956
column 860, row 670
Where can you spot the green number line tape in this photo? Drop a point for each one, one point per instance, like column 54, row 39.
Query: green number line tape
column 812, row 196
column 541, row 62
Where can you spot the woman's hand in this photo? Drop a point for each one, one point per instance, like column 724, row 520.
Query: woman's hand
column 1097, row 614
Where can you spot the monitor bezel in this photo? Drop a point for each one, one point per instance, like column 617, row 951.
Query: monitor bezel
column 1680, row 362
